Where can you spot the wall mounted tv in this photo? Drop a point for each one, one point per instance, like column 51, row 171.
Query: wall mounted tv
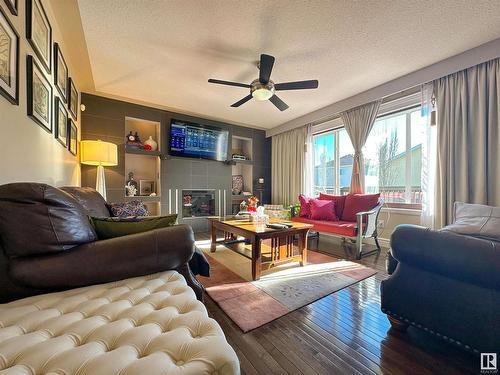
column 198, row 141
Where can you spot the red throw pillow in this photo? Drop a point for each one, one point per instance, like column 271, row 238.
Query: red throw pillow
column 305, row 206
column 323, row 210
column 355, row 203
column 338, row 199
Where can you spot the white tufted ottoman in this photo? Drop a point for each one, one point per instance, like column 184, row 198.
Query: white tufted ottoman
column 145, row 325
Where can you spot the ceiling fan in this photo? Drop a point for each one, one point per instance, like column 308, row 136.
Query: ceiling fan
column 263, row 88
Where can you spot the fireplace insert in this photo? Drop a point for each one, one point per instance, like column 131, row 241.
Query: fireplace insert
column 198, row 203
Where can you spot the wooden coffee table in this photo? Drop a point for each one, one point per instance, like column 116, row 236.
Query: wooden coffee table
column 281, row 244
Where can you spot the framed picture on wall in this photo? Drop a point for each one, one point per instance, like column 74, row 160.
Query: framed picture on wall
column 39, row 32
column 60, row 73
column 12, row 5
column 61, row 122
column 73, row 99
column 9, row 60
column 39, row 94
column 73, row 137
column 146, row 187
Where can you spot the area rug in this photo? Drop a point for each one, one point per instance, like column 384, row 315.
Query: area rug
column 280, row 290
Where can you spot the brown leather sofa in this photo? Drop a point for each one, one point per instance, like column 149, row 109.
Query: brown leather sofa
column 48, row 244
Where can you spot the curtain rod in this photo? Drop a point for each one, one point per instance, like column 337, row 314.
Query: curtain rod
column 387, row 99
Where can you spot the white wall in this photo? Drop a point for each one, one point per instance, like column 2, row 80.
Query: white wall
column 27, row 152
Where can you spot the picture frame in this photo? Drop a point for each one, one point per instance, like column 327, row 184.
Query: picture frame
column 12, row 5
column 60, row 73
column 39, row 95
column 73, row 99
column 39, row 32
column 72, row 137
column 146, row 187
column 60, row 122
column 9, row 60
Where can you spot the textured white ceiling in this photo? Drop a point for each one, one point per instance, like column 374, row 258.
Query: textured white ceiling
column 163, row 51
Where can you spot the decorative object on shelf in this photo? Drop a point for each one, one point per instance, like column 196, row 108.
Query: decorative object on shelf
column 239, row 157
column 39, row 95
column 130, row 190
column 146, row 187
column 131, row 185
column 252, row 204
column 73, row 138
column 127, row 209
column 260, row 187
column 133, row 141
column 12, row 5
column 151, row 143
column 9, row 60
column 187, row 200
column 60, row 73
column 237, row 184
column 61, row 122
column 100, row 154
column 39, row 32
column 73, row 99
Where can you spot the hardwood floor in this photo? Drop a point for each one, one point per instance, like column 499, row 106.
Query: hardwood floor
column 342, row 333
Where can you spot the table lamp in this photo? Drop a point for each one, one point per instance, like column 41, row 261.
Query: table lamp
column 102, row 154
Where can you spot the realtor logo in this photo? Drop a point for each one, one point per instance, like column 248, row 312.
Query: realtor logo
column 489, row 363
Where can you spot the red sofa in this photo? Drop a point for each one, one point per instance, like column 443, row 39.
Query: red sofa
column 353, row 211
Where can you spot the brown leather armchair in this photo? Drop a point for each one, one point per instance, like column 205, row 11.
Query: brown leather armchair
column 48, row 243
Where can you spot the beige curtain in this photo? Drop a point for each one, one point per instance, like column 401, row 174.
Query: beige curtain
column 468, row 139
column 288, row 160
column 358, row 123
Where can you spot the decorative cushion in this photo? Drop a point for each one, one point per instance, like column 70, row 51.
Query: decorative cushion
column 339, row 202
column 40, row 219
column 126, row 209
column 305, row 206
column 323, row 210
column 145, row 325
column 355, row 203
column 476, row 220
column 112, row 227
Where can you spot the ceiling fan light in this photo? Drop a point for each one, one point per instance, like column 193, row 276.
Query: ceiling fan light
column 262, row 94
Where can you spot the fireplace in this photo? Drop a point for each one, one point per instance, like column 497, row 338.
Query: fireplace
column 198, row 203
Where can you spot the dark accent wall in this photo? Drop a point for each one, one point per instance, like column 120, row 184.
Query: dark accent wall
column 104, row 119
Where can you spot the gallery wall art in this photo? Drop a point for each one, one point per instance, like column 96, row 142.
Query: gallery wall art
column 9, row 60
column 39, row 32
column 39, row 92
column 60, row 122
column 60, row 73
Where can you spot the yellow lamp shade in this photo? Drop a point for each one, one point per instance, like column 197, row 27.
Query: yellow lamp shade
column 98, row 153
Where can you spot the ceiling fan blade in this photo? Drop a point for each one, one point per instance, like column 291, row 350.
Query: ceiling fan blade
column 280, row 104
column 265, row 67
column 242, row 101
column 299, row 85
column 228, row 83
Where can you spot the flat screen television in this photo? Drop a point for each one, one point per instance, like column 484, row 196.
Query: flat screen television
column 198, row 141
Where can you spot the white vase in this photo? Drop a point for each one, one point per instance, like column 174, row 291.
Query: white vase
column 151, row 142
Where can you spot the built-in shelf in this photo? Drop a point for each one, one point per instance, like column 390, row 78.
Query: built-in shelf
column 146, row 198
column 136, row 151
column 240, row 197
column 248, row 162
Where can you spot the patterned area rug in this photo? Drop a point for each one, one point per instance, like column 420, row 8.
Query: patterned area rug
column 280, row 290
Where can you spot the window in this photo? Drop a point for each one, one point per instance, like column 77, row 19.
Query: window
column 393, row 158
column 333, row 157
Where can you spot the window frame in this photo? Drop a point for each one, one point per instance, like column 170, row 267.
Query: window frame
column 407, row 110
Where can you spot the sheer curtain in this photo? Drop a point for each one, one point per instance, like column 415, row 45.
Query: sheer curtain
column 287, row 166
column 309, row 163
column 358, row 123
column 468, row 138
column 429, row 150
